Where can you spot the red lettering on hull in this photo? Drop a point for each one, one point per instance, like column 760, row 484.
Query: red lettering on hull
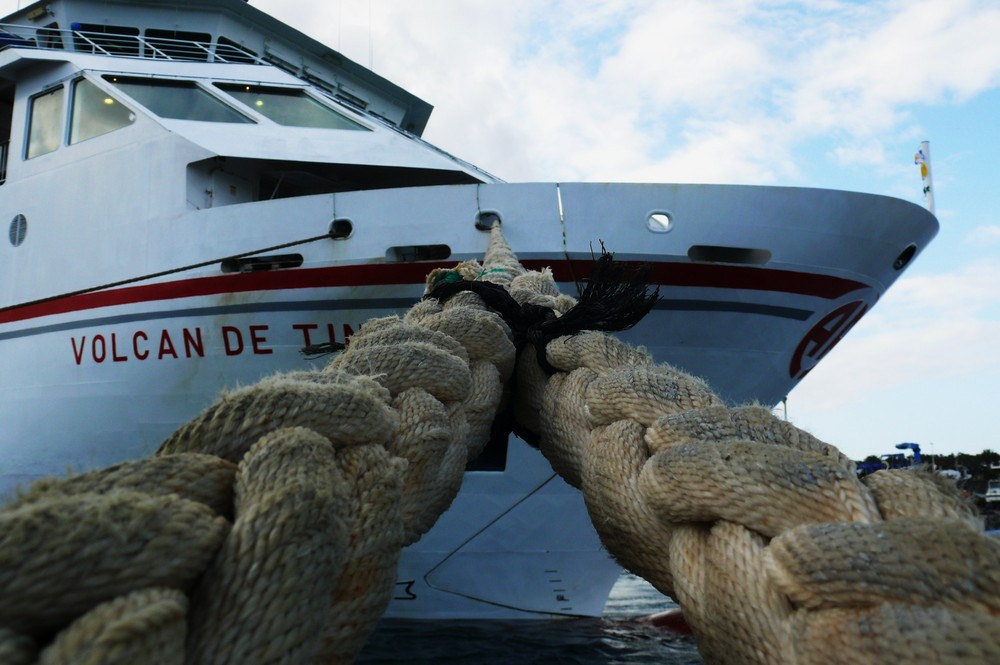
column 257, row 339
column 115, row 356
column 232, row 339
column 304, row 328
column 142, row 345
column 99, row 348
column 143, row 354
column 193, row 343
column 166, row 346
column 78, row 352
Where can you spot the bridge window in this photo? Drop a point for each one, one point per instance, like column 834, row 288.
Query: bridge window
column 227, row 50
column 49, row 37
column 288, row 106
column 95, row 112
column 45, row 123
column 180, row 100
column 106, row 39
column 177, row 44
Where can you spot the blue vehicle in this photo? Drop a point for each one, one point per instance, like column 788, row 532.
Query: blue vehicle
column 892, row 460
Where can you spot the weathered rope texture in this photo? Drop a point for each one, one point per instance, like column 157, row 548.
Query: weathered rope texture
column 267, row 529
column 144, row 624
column 775, row 550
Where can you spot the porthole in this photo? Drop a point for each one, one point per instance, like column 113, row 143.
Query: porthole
column 18, row 229
column 659, row 221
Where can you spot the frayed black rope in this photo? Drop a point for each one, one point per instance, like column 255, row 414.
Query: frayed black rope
column 615, row 298
column 316, row 350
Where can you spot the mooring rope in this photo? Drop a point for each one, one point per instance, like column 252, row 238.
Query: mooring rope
column 268, row 528
column 774, row 549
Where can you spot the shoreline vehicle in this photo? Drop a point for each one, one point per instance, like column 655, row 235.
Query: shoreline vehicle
column 195, row 192
column 992, row 495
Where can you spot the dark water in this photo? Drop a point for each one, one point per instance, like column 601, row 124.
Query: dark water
column 615, row 639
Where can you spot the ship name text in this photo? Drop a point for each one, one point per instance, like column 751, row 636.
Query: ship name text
column 176, row 343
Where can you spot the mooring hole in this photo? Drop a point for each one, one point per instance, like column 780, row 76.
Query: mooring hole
column 905, row 257
column 487, row 219
column 719, row 254
column 262, row 263
column 341, row 229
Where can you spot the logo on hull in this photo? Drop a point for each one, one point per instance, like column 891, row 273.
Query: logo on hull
column 824, row 336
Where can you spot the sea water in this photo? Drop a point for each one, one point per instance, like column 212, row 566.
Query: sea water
column 617, row 638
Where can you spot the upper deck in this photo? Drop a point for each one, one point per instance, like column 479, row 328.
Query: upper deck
column 216, row 31
column 213, row 79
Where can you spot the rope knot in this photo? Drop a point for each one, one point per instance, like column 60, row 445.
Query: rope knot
column 615, row 298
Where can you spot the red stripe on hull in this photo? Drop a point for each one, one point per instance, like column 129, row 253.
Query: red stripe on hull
column 380, row 274
column 718, row 276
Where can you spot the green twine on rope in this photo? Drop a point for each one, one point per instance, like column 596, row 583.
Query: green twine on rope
column 449, row 277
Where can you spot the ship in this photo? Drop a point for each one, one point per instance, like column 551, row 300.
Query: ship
column 196, row 192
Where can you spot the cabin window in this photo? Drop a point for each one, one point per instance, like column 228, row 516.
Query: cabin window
column 288, row 106
column 180, row 100
column 227, row 50
column 45, row 123
column 106, row 39
column 49, row 37
column 6, row 125
column 95, row 112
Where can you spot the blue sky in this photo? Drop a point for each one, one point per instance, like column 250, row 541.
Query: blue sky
column 819, row 93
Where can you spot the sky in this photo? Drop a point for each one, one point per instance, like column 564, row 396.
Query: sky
column 816, row 93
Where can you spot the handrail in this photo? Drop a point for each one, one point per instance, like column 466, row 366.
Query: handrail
column 125, row 45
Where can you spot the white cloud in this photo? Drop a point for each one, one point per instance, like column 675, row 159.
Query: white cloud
column 986, row 234
column 860, row 153
column 858, row 75
column 688, row 54
column 726, row 91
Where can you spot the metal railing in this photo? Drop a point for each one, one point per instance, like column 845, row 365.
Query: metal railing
column 119, row 44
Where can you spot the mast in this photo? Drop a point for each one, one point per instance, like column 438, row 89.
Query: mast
column 923, row 159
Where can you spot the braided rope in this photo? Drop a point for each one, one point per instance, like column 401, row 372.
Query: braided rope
column 775, row 550
column 124, row 631
column 267, row 529
column 270, row 526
